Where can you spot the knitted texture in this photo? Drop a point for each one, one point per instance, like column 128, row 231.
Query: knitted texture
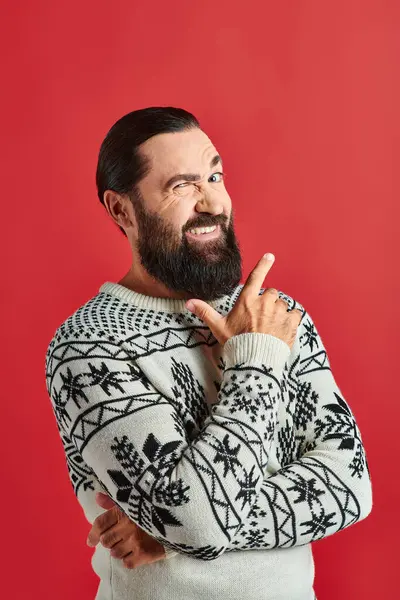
column 214, row 451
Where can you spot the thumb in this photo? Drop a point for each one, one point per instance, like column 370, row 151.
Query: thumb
column 212, row 318
column 104, row 501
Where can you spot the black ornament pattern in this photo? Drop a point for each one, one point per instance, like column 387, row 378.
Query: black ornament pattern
column 165, row 451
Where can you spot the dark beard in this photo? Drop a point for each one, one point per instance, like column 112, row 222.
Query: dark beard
column 204, row 270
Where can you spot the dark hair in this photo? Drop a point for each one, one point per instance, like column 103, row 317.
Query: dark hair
column 120, row 165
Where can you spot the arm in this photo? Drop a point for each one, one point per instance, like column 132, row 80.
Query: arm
column 192, row 496
column 324, row 485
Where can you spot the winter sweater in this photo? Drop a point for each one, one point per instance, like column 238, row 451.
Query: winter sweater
column 236, row 458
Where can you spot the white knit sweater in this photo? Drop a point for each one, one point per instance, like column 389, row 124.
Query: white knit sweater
column 235, row 458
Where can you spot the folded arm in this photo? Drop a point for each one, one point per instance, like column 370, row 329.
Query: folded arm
column 205, row 497
column 192, row 495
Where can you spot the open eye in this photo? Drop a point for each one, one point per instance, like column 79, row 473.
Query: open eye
column 216, row 177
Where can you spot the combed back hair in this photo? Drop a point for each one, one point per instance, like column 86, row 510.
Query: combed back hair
column 120, row 165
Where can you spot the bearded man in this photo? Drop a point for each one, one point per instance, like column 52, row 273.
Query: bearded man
column 202, row 414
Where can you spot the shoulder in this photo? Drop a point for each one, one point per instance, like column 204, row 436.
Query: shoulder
column 93, row 333
column 97, row 319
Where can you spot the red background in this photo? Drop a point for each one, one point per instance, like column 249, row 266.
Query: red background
column 302, row 100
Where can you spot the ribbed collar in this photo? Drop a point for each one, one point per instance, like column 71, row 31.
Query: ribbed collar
column 171, row 305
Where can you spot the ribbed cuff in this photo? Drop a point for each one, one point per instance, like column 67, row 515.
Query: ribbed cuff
column 256, row 348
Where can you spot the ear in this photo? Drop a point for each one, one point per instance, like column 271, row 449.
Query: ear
column 120, row 208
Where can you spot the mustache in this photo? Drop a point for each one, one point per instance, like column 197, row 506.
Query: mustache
column 207, row 221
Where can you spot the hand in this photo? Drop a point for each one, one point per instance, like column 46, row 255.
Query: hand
column 252, row 313
column 126, row 540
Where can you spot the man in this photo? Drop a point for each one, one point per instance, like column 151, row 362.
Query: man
column 206, row 410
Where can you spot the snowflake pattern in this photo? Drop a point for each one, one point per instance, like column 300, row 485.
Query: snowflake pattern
column 290, row 412
column 338, row 424
column 172, row 493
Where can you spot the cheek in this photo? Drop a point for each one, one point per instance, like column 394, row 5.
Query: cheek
column 226, row 196
column 226, row 203
column 172, row 204
column 177, row 210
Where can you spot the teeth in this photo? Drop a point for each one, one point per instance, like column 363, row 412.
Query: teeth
column 200, row 230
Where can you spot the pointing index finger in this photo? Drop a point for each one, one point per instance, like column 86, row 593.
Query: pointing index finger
column 255, row 280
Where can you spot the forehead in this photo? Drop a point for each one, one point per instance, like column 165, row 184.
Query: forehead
column 181, row 152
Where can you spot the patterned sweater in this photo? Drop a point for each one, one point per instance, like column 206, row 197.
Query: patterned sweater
column 235, row 458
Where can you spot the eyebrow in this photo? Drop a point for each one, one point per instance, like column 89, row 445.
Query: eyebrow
column 191, row 176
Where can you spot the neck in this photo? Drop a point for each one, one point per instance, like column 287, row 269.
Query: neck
column 138, row 280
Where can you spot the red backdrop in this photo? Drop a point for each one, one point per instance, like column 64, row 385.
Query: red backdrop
column 301, row 99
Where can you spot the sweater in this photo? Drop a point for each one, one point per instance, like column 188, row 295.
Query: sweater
column 236, row 458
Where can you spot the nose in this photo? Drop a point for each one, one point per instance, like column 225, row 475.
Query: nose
column 209, row 203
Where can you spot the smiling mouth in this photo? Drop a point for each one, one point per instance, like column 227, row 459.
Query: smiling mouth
column 204, row 233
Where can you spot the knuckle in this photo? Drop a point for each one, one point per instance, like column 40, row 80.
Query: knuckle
column 281, row 304
column 271, row 292
column 253, row 277
column 107, row 539
column 99, row 522
column 246, row 303
column 253, row 274
column 202, row 313
column 117, row 552
column 106, row 520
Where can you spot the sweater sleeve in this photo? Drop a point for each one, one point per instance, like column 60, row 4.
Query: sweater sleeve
column 191, row 495
column 324, row 484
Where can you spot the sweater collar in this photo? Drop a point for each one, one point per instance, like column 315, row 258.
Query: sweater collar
column 171, row 305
